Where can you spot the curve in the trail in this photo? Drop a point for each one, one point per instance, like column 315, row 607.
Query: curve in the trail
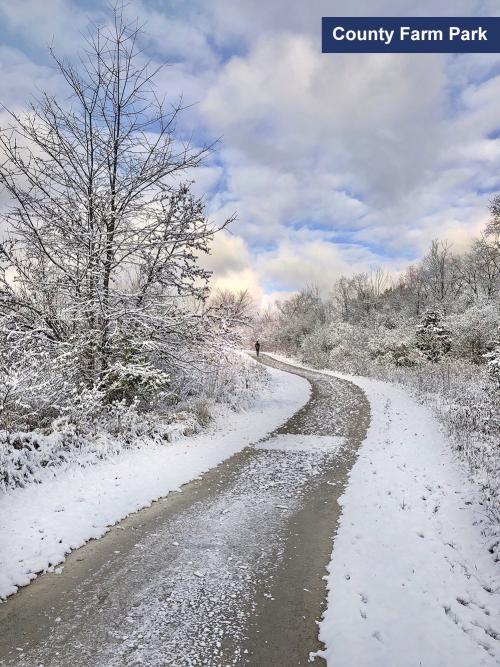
column 228, row 572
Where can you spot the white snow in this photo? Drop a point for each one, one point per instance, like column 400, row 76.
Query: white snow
column 301, row 443
column 42, row 523
column 411, row 580
column 192, row 600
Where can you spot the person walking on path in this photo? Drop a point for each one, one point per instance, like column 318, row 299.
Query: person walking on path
column 257, row 347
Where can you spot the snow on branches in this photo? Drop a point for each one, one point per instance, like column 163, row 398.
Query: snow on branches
column 100, row 280
column 432, row 339
column 494, row 364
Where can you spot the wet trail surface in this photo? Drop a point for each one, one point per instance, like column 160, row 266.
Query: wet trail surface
column 229, row 571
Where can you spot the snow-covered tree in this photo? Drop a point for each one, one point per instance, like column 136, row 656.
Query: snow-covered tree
column 104, row 232
column 298, row 316
column 431, row 338
column 474, row 329
column 493, row 358
column 493, row 227
column 479, row 270
column 234, row 313
column 442, row 281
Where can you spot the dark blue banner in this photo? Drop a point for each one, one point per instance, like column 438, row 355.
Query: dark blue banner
column 411, row 35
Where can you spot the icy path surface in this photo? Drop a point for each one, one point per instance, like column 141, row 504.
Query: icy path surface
column 411, row 581
column 228, row 572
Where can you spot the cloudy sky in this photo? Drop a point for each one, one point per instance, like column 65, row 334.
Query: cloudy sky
column 333, row 163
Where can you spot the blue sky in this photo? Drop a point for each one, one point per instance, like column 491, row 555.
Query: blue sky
column 333, row 163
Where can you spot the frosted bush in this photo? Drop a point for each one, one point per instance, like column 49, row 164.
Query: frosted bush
column 493, row 358
column 139, row 381
column 340, row 345
column 231, row 378
column 431, row 338
column 474, row 331
column 89, row 428
column 392, row 346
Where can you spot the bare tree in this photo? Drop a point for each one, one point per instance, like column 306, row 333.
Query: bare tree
column 342, row 297
column 479, row 269
column 443, row 283
column 238, row 307
column 413, row 291
column 232, row 314
column 358, row 296
column 493, row 227
column 298, row 316
column 104, row 235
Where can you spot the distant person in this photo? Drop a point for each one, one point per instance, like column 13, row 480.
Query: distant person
column 257, row 348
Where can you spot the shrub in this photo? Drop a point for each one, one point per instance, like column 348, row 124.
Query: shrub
column 494, row 365
column 432, row 339
column 474, row 331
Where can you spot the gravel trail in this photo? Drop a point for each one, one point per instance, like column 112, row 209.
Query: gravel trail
column 229, row 571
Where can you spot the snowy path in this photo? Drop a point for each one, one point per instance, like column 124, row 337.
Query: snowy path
column 230, row 571
column 412, row 578
column 41, row 524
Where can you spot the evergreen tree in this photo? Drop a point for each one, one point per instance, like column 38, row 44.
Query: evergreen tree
column 432, row 339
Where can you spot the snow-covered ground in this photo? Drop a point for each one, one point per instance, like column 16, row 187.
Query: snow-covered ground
column 411, row 581
column 41, row 524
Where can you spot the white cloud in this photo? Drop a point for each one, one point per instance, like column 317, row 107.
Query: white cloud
column 229, row 254
column 21, row 78
column 230, row 263
column 382, row 147
column 333, row 163
column 376, row 117
column 303, row 260
column 41, row 23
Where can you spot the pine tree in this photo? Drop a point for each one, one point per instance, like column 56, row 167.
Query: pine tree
column 432, row 339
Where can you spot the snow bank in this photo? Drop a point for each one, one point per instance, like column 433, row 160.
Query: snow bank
column 91, row 430
column 411, row 581
column 42, row 523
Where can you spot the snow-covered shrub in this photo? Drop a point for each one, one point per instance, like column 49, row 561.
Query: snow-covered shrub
column 134, row 381
column 37, row 378
column 30, row 457
column 337, row 345
column 474, row 330
column 352, row 348
column 401, row 354
column 89, row 428
column 431, row 338
column 229, row 378
column 316, row 347
column 392, row 346
column 202, row 411
column 493, row 358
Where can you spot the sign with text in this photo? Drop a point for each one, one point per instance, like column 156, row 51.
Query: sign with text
column 411, row 35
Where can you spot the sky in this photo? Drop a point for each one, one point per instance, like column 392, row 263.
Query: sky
column 333, row 163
